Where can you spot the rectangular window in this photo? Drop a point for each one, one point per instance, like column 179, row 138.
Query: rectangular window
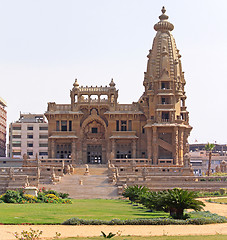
column 117, row 125
column 16, row 144
column 123, row 125
column 94, row 130
column 43, row 153
column 30, row 153
column 64, row 126
column 16, row 153
column 43, row 128
column 57, row 126
column 16, row 136
column 43, row 144
column 43, row 136
column 29, row 144
column 29, row 136
column 129, row 125
column 70, row 125
column 29, row 128
column 17, row 128
column 143, row 130
column 165, row 116
column 164, row 85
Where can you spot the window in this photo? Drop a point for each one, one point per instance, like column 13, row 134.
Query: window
column 16, row 144
column 17, row 128
column 43, row 153
column 43, row 128
column 164, row 85
column 30, row 128
column 63, row 125
column 143, row 130
column 16, row 136
column 94, row 130
column 129, row 125
column 123, row 125
column 57, row 126
column 43, row 144
column 29, row 144
column 16, row 153
column 165, row 116
column 117, row 125
column 30, row 136
column 43, row 136
column 70, row 125
column 30, row 153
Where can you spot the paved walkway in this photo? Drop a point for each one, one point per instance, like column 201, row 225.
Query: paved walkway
column 7, row 231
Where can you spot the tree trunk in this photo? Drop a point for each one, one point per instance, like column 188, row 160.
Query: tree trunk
column 209, row 164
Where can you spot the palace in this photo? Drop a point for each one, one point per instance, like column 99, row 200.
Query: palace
column 94, row 127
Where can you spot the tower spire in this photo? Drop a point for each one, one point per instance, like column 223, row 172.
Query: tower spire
column 163, row 25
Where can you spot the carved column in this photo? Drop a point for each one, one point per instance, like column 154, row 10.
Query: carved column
column 149, row 145
column 73, row 155
column 181, row 146
column 155, row 146
column 113, row 148
column 52, row 148
column 134, row 148
column 175, row 149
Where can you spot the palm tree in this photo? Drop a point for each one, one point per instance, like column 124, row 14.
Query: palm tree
column 177, row 200
column 209, row 147
column 134, row 192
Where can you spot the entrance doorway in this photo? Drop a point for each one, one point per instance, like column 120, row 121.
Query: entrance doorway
column 94, row 154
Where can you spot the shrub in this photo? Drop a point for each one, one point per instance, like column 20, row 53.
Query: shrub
column 11, row 196
column 30, row 198
column 222, row 191
column 134, row 192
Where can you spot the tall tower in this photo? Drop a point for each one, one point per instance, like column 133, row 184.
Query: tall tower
column 163, row 101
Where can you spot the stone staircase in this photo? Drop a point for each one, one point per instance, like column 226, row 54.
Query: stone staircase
column 79, row 186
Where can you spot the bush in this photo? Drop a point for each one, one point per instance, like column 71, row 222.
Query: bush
column 11, row 196
column 222, row 191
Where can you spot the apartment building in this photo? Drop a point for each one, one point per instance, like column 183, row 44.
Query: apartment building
column 29, row 135
column 2, row 127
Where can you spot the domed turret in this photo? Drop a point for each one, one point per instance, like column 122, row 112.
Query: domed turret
column 76, row 84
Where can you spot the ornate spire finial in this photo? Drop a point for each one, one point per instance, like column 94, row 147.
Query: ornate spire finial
column 112, row 84
column 163, row 10
column 76, row 84
column 163, row 25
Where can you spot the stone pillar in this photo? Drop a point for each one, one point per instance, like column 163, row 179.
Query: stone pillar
column 155, row 146
column 133, row 148
column 175, row 144
column 113, row 148
column 181, row 146
column 73, row 155
column 149, row 145
column 52, row 148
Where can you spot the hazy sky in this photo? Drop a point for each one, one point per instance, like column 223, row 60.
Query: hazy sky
column 46, row 44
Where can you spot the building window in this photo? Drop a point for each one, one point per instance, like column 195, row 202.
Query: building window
column 143, row 130
column 164, row 85
column 129, row 125
column 94, row 130
column 57, row 126
column 63, row 125
column 43, row 153
column 117, row 125
column 16, row 144
column 70, row 125
column 43, row 136
column 17, row 128
column 29, row 144
column 123, row 125
column 30, row 153
column 16, row 153
column 43, row 144
column 165, row 116
column 29, row 136
column 29, row 128
column 43, row 128
column 16, row 136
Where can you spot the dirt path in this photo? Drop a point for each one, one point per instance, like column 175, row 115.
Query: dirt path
column 7, row 231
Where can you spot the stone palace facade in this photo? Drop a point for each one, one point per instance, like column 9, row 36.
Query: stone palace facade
column 94, row 127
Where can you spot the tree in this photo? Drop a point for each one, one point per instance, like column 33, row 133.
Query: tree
column 209, row 147
column 177, row 200
column 134, row 192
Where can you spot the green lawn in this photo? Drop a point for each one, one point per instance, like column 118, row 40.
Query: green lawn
column 220, row 200
column 43, row 213
column 199, row 237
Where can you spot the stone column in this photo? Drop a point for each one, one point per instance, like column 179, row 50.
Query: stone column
column 113, row 148
column 181, row 146
column 52, row 148
column 133, row 148
column 149, row 145
column 175, row 144
column 155, row 146
column 73, row 155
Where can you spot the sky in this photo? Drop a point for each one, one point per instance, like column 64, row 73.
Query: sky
column 46, row 44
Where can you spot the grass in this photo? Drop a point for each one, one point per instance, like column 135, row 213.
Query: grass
column 42, row 213
column 197, row 237
column 219, row 200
